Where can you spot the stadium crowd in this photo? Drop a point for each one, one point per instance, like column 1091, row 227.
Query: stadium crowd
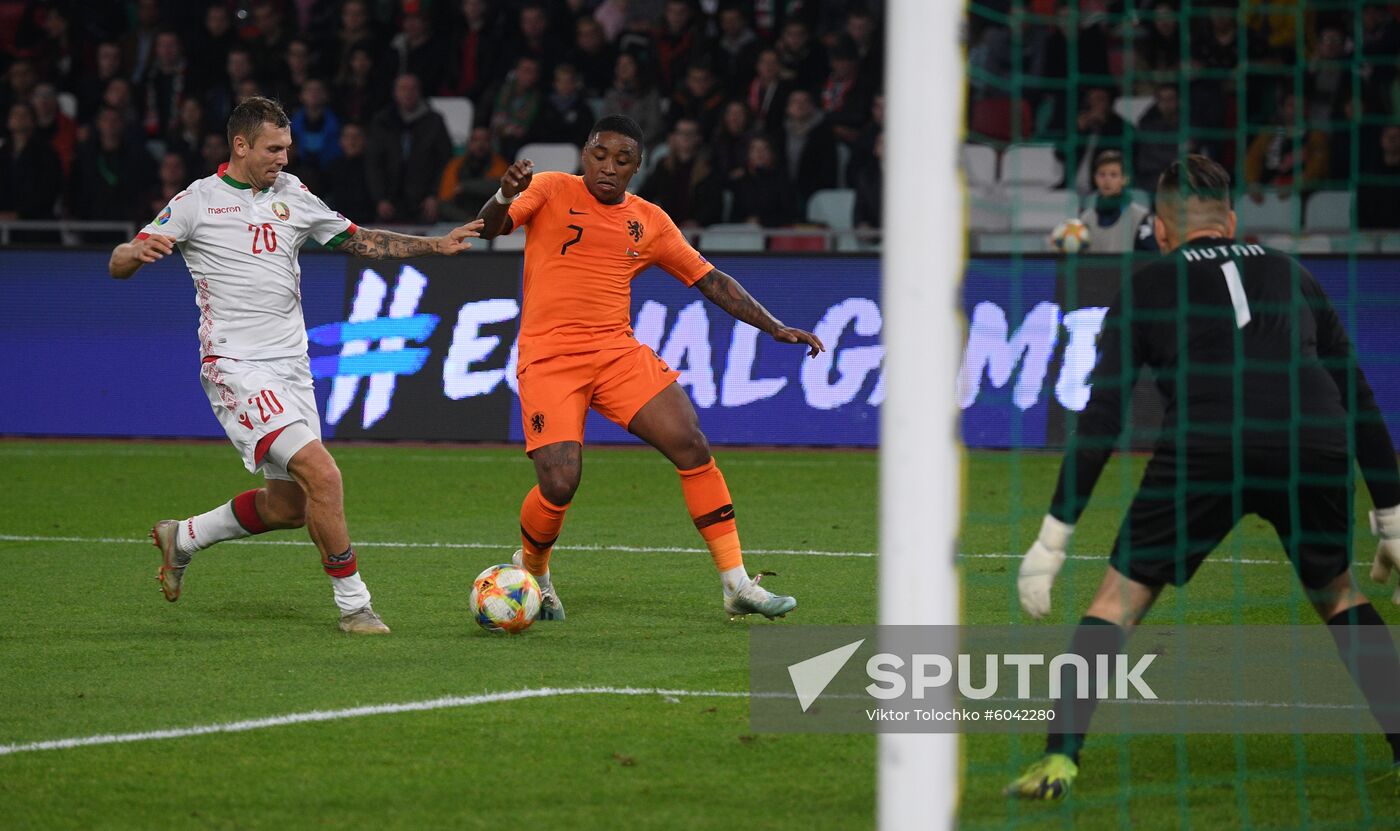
column 748, row 108
column 1227, row 80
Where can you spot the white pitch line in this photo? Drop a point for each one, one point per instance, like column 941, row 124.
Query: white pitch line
column 314, row 716
column 626, row 549
column 629, row 549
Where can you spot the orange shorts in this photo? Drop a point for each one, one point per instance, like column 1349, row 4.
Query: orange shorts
column 556, row 392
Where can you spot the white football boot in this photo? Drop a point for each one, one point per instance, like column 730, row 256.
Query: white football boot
column 550, row 607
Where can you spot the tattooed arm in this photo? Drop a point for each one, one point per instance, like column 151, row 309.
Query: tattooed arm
column 374, row 244
column 724, row 291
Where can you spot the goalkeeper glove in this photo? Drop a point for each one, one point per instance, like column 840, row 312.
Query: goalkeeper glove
column 1385, row 523
column 1044, row 559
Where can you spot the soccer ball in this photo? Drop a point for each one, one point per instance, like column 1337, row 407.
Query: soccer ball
column 1070, row 237
column 505, row 598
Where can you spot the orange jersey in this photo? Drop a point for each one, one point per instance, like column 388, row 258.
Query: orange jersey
column 580, row 259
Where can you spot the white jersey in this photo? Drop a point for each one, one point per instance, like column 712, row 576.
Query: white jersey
column 241, row 248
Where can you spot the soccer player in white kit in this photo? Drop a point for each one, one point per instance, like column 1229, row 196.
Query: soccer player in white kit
column 239, row 231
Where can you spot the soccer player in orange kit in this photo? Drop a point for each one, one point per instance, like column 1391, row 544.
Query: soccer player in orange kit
column 588, row 239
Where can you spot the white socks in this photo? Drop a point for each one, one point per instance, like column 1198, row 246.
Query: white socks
column 200, row 532
column 734, row 580
column 351, row 593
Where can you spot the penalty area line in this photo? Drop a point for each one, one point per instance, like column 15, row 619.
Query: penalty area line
column 315, row 716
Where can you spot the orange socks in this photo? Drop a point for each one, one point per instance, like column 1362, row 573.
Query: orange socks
column 707, row 499
column 540, row 521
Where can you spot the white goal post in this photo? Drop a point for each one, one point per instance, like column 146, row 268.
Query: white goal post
column 920, row 453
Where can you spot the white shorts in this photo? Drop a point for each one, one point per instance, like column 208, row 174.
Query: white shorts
column 253, row 399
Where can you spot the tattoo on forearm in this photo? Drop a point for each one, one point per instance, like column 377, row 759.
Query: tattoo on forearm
column 379, row 245
column 724, row 291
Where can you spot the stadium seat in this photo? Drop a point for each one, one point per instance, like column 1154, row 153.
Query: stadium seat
column 979, row 164
column 1311, row 244
column 836, row 210
column 1274, row 213
column 1390, row 244
column 457, row 112
column 1131, row 107
column 562, row 157
column 1038, row 209
column 1328, row 210
column 732, row 236
column 1031, row 164
column 987, row 210
column 514, row 241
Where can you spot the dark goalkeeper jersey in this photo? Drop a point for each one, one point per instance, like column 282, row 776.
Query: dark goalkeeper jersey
column 1246, row 351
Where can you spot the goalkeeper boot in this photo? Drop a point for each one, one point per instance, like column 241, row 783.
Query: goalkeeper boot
column 1048, row 779
column 754, row 599
column 550, row 607
column 171, row 574
column 363, row 621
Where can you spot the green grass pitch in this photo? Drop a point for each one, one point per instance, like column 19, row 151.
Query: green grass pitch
column 89, row 648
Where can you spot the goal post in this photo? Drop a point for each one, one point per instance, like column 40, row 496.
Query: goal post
column 920, row 453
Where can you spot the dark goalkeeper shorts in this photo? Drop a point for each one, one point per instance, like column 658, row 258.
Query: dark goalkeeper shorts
column 1186, row 505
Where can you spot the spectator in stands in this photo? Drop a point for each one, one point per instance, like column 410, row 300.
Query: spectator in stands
column 1277, row 159
column 864, row 37
column 297, row 71
column 419, row 52
column 869, row 185
column 107, row 65
column 221, row 98
column 846, row 96
column 803, row 60
column 593, row 57
column 165, row 85
column 517, row 108
column 476, row 52
column 110, row 174
column 270, row 40
column 31, row 176
column 1159, row 140
column 20, row 81
column 118, row 96
column 1376, row 201
column 61, row 53
column 1328, row 80
column 1097, row 128
column 139, row 43
column 808, row 148
column 863, row 151
column 347, row 177
column 1380, row 40
column 51, row 125
column 680, row 41
column 683, row 183
column 316, row 130
column 207, row 56
column 764, row 195
column 1052, row 59
column 729, row 147
column 471, row 178
column 736, row 50
column 699, row 98
column 1113, row 218
column 213, row 151
column 768, row 92
column 535, row 38
column 633, row 95
column 408, row 148
column 359, row 92
column 1159, row 43
column 171, row 178
column 566, row 116
column 185, row 139
column 356, row 33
